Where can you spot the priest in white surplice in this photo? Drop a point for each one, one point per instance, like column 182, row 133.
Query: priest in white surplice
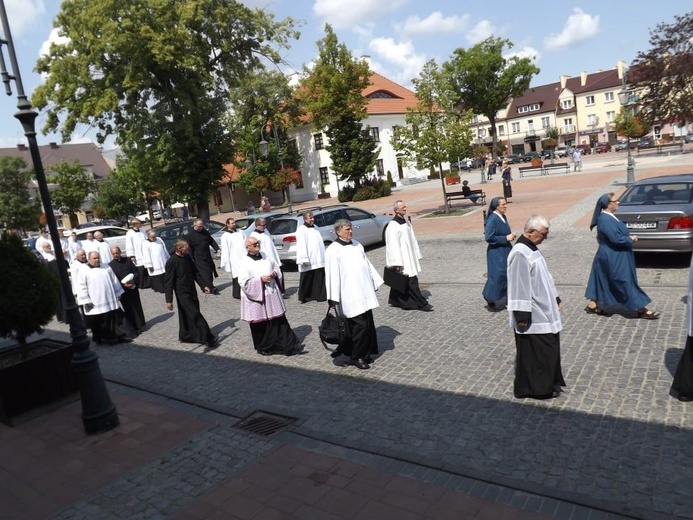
column 103, row 247
column 402, row 254
column 98, row 291
column 134, row 239
column 232, row 252
column 73, row 245
column 534, row 308
column 310, row 258
column 90, row 244
column 262, row 305
column 154, row 258
column 266, row 243
column 351, row 282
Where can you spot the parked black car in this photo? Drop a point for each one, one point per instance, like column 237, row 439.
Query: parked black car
column 531, row 155
column 513, row 158
column 646, row 142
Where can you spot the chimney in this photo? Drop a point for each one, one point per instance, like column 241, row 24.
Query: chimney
column 583, row 78
column 621, row 67
column 54, row 145
column 21, row 147
column 564, row 80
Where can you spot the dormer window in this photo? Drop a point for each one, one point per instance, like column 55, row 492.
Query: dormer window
column 528, row 108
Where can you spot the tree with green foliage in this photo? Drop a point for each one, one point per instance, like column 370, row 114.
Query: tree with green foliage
column 74, row 186
column 263, row 99
column 117, row 197
column 629, row 125
column 436, row 131
column 156, row 74
column 29, row 296
column 332, row 93
column 17, row 211
column 484, row 80
column 663, row 75
column 551, row 140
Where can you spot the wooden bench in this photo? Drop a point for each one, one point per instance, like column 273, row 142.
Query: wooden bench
column 670, row 147
column 474, row 196
column 556, row 166
column 531, row 169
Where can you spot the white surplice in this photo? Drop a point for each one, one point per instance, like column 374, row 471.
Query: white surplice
column 98, row 291
column 104, row 249
column 350, row 278
column 133, row 245
column 155, row 256
column 267, row 245
column 402, row 248
column 232, row 251
column 310, row 249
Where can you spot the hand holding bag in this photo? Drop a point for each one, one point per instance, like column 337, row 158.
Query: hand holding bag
column 332, row 329
column 395, row 279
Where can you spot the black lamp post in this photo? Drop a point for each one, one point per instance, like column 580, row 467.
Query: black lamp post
column 98, row 411
column 264, row 151
column 625, row 96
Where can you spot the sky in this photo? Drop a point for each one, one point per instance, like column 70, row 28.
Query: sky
column 400, row 36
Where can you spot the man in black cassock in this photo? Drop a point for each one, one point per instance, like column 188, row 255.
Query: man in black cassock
column 199, row 242
column 122, row 267
column 180, row 278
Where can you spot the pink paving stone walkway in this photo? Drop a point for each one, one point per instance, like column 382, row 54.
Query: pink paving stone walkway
column 292, row 483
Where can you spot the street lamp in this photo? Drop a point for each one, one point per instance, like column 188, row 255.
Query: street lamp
column 264, row 151
column 480, row 141
column 625, row 96
column 98, row 411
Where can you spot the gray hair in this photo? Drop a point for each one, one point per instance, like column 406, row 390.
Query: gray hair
column 537, row 222
column 260, row 219
column 341, row 223
column 394, row 206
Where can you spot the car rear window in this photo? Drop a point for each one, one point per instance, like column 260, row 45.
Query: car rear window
column 243, row 223
column 283, row 227
column 665, row 193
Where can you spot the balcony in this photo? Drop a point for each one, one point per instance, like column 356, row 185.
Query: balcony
column 568, row 129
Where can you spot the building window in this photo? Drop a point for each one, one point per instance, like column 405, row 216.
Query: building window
column 481, row 132
column 394, row 129
column 545, row 122
column 375, row 134
column 568, row 125
column 610, row 116
column 530, row 126
column 379, row 167
column 589, row 100
column 592, row 120
column 299, row 180
column 516, row 128
column 608, row 97
column 567, row 103
column 501, row 130
column 324, row 176
column 318, row 141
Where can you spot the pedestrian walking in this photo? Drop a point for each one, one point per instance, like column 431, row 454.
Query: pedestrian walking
column 199, row 243
column 310, row 257
column 155, row 255
column 577, row 160
column 613, row 278
column 507, row 177
column 499, row 237
column 134, row 239
column 126, row 272
column 534, row 308
column 402, row 254
column 232, row 252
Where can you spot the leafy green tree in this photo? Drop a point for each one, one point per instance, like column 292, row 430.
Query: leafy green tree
column 156, row 74
column 663, row 75
column 332, row 93
column 17, row 210
column 485, row 81
column 74, row 186
column 29, row 296
column 263, row 99
column 551, row 140
column 434, row 134
column 631, row 126
column 117, row 197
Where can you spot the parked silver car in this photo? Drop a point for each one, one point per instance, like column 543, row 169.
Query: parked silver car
column 659, row 211
column 247, row 223
column 180, row 230
column 368, row 228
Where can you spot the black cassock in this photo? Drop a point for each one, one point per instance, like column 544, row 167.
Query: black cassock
column 130, row 300
column 683, row 378
column 200, row 242
column 311, row 285
column 180, row 278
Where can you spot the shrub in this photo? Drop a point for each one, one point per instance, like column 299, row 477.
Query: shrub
column 365, row 193
column 389, row 178
column 346, row 194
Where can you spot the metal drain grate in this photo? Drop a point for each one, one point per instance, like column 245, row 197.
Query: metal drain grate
column 265, row 424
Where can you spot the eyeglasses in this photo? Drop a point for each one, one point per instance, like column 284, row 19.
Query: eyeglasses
column 543, row 234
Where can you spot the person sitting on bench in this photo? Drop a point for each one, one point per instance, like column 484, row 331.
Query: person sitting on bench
column 467, row 192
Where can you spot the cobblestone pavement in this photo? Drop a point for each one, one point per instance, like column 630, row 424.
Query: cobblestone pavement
column 441, row 393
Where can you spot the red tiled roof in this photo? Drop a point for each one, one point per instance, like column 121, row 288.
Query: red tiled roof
column 546, row 96
column 596, row 81
column 396, row 98
column 88, row 155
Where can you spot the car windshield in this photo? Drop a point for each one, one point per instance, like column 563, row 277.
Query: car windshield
column 664, row 193
column 283, row 226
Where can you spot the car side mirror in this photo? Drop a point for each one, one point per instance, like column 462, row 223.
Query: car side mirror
column 372, row 215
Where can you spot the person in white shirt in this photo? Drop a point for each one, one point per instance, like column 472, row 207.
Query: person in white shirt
column 134, row 239
column 73, row 245
column 98, row 292
column 534, row 309
column 103, row 247
column 310, row 258
column 42, row 239
column 351, row 282
column 232, row 252
column 90, row 244
column 155, row 256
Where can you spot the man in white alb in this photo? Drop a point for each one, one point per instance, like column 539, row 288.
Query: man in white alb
column 310, row 258
column 154, row 257
column 134, row 239
column 232, row 252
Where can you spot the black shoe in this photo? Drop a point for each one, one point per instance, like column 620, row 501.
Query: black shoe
column 265, row 352
column 685, row 398
column 213, row 343
column 491, row 304
column 361, row 364
column 427, row 308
